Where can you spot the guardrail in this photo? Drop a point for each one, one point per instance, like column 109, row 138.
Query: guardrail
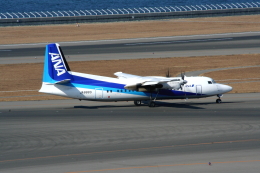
column 144, row 10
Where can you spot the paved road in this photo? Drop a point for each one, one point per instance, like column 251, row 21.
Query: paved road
column 179, row 46
column 176, row 136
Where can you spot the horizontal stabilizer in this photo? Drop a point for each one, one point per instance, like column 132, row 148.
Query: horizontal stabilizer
column 61, row 82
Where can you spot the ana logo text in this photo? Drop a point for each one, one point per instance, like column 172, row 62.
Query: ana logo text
column 190, row 85
column 58, row 66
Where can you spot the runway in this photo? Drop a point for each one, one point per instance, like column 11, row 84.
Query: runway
column 177, row 46
column 175, row 136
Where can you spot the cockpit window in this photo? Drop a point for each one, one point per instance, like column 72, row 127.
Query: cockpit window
column 213, row 81
column 209, row 82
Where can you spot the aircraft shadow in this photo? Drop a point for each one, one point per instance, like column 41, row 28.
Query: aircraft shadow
column 187, row 105
column 181, row 105
column 104, row 106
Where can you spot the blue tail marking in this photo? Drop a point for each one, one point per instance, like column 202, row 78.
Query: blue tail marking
column 55, row 65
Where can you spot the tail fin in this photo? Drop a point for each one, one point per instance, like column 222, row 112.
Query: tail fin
column 55, row 65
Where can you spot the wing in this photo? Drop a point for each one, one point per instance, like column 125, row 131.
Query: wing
column 122, row 75
column 142, row 79
column 135, row 82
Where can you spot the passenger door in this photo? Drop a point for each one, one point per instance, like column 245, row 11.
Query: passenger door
column 198, row 89
column 99, row 93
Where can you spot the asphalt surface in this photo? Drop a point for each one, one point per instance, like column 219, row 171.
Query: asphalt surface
column 175, row 136
column 179, row 46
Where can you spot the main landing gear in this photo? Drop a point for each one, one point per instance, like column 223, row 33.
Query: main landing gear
column 137, row 102
column 151, row 103
column 219, row 100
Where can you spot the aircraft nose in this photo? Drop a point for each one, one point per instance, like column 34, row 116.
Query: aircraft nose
column 229, row 88
column 226, row 88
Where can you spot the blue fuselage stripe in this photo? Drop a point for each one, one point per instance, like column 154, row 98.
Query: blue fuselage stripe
column 86, row 83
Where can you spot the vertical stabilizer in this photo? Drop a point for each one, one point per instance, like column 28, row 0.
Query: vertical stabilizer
column 55, row 65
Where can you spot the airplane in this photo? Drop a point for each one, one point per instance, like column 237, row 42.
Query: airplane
column 59, row 80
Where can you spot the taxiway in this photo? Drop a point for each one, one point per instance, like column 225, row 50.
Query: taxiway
column 178, row 46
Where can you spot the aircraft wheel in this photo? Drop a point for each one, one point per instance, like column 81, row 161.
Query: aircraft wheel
column 152, row 104
column 137, row 102
column 218, row 101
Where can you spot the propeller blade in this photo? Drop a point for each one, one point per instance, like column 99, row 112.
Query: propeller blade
column 183, row 81
column 182, row 75
column 168, row 73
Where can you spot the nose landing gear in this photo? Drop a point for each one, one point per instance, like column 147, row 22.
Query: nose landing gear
column 219, row 100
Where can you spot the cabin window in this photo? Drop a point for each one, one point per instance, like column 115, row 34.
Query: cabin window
column 209, row 82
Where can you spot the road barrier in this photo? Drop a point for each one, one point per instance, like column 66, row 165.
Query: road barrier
column 111, row 15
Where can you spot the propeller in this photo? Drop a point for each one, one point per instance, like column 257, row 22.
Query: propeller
column 183, row 79
column 168, row 73
column 183, row 83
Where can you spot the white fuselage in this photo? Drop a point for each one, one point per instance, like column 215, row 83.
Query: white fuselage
column 197, row 87
column 59, row 80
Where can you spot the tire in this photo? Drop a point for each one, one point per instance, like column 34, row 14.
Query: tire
column 218, row 101
column 137, row 102
column 152, row 104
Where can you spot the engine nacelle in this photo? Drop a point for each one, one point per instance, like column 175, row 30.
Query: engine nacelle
column 139, row 87
column 176, row 85
column 132, row 86
column 172, row 85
